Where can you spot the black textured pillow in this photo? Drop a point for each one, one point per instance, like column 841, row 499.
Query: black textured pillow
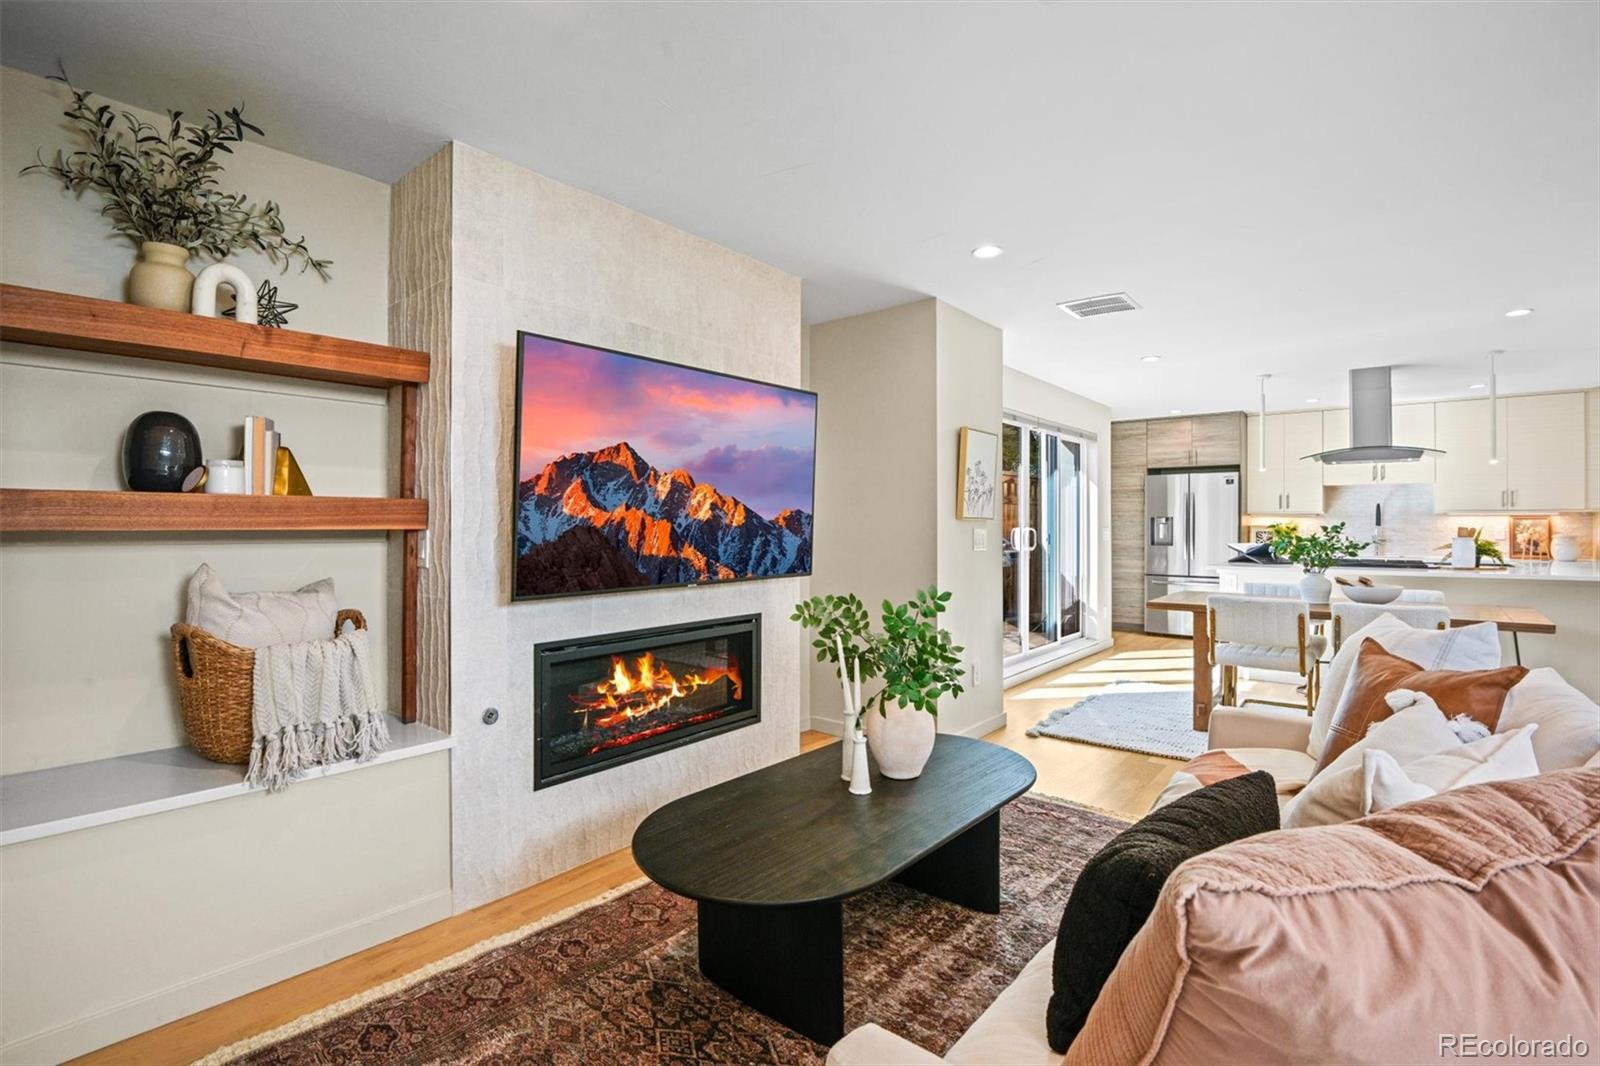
column 1118, row 887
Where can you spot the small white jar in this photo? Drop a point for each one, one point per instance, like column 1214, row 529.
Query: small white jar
column 1564, row 548
column 225, row 477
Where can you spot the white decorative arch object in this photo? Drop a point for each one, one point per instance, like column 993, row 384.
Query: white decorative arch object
column 205, row 292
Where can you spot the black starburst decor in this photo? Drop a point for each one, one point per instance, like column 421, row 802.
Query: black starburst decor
column 270, row 311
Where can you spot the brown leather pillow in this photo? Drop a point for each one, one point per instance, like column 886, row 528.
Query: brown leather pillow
column 1478, row 694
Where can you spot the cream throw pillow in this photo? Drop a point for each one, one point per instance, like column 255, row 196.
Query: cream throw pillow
column 1466, row 648
column 256, row 619
column 1334, row 794
column 1501, row 757
column 1569, row 721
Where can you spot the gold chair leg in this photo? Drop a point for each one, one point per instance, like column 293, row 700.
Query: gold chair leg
column 1311, row 689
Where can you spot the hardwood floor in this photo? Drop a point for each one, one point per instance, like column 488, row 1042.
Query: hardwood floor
column 1121, row 782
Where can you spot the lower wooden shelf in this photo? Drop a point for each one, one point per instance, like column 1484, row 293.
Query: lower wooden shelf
column 83, row 511
column 43, row 803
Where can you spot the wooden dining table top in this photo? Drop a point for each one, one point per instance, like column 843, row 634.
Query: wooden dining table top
column 1508, row 619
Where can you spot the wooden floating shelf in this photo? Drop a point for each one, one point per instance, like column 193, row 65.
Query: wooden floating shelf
column 83, row 323
column 78, row 511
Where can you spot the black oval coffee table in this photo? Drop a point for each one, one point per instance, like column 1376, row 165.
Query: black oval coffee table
column 770, row 856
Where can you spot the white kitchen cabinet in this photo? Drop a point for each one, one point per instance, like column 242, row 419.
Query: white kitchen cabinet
column 1290, row 484
column 1544, row 452
column 1413, row 427
column 1542, row 462
column 1592, row 404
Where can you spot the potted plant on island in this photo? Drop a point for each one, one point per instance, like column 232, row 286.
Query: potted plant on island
column 915, row 659
column 1314, row 553
column 160, row 190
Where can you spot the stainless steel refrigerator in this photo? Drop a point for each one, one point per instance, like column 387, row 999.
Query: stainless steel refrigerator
column 1189, row 517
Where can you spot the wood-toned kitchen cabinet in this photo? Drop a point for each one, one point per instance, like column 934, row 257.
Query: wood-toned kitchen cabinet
column 1129, row 462
column 1290, row 483
column 1413, row 426
column 1541, row 465
column 1205, row 440
column 1217, row 440
column 1169, row 442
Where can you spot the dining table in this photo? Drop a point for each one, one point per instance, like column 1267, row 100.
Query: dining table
column 1513, row 620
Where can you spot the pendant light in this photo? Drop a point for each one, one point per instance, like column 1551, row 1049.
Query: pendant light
column 1494, row 408
column 1261, row 438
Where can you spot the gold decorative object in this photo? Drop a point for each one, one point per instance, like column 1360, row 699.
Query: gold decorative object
column 287, row 479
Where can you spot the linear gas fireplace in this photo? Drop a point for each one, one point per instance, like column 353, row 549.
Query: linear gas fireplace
column 611, row 699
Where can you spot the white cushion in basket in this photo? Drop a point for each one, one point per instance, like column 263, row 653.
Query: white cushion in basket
column 1569, row 721
column 256, row 619
column 1466, row 648
column 1501, row 757
column 1334, row 794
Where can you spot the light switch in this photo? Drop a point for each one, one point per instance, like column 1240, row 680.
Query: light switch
column 980, row 539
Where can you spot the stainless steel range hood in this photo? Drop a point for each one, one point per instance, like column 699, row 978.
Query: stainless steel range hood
column 1372, row 424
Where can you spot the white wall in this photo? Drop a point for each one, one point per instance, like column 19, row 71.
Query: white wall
column 969, row 394
column 895, row 387
column 1028, row 395
column 534, row 254
column 84, row 666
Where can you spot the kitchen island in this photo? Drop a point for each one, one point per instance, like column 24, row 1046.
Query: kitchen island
column 1567, row 593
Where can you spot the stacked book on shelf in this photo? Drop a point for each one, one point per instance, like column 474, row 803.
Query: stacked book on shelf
column 260, row 455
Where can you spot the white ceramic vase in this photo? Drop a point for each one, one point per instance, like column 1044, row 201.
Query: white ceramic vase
column 1316, row 588
column 1564, row 548
column 900, row 740
column 161, row 277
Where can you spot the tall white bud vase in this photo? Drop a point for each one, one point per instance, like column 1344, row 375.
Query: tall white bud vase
column 847, row 748
column 860, row 781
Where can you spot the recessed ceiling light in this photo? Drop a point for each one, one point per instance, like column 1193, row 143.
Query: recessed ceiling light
column 1312, row 400
column 1176, row 411
column 1150, row 359
column 1519, row 312
column 987, row 251
column 1476, row 385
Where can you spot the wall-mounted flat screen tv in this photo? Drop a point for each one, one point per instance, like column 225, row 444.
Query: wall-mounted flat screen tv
column 636, row 473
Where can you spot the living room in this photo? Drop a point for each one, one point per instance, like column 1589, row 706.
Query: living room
column 624, row 532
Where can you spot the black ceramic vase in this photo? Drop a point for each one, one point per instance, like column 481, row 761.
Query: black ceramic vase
column 159, row 451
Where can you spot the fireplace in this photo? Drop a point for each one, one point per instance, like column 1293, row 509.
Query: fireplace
column 607, row 700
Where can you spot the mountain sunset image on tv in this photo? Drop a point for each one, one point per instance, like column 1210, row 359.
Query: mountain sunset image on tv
column 633, row 473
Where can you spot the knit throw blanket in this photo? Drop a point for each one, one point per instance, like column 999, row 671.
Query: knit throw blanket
column 314, row 704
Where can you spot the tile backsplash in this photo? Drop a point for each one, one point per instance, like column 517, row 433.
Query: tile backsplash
column 1412, row 528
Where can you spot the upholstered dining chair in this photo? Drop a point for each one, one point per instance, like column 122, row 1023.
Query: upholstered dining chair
column 1349, row 616
column 1281, row 589
column 1264, row 633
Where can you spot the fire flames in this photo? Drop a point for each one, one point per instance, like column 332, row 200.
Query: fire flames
column 644, row 686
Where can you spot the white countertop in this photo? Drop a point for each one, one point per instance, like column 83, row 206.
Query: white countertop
column 1587, row 570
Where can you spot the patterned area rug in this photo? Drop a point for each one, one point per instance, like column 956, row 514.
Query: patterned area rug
column 617, row 983
column 1133, row 716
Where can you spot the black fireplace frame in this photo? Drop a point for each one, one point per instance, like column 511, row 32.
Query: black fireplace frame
column 635, row 640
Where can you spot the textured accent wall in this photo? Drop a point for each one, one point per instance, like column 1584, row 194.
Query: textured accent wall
column 419, row 317
column 527, row 252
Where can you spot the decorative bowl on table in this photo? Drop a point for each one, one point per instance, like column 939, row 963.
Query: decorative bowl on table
column 1372, row 593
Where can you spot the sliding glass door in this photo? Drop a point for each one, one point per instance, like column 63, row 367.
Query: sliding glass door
column 1042, row 494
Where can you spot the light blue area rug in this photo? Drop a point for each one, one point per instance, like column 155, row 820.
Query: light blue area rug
column 1133, row 716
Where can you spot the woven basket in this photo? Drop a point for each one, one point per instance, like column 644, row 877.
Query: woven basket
column 215, row 689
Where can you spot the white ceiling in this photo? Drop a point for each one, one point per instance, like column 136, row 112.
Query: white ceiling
column 1287, row 188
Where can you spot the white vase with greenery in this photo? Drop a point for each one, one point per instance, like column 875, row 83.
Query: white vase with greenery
column 914, row 658
column 159, row 187
column 1314, row 553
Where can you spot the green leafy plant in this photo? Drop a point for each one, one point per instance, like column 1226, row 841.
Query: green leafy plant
column 915, row 659
column 1486, row 548
column 161, row 184
column 1314, row 552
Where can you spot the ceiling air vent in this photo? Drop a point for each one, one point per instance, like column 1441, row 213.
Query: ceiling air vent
column 1091, row 306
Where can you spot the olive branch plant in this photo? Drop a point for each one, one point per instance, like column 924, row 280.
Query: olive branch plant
column 916, row 660
column 161, row 183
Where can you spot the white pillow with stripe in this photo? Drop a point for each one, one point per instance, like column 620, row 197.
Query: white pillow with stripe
column 256, row 619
